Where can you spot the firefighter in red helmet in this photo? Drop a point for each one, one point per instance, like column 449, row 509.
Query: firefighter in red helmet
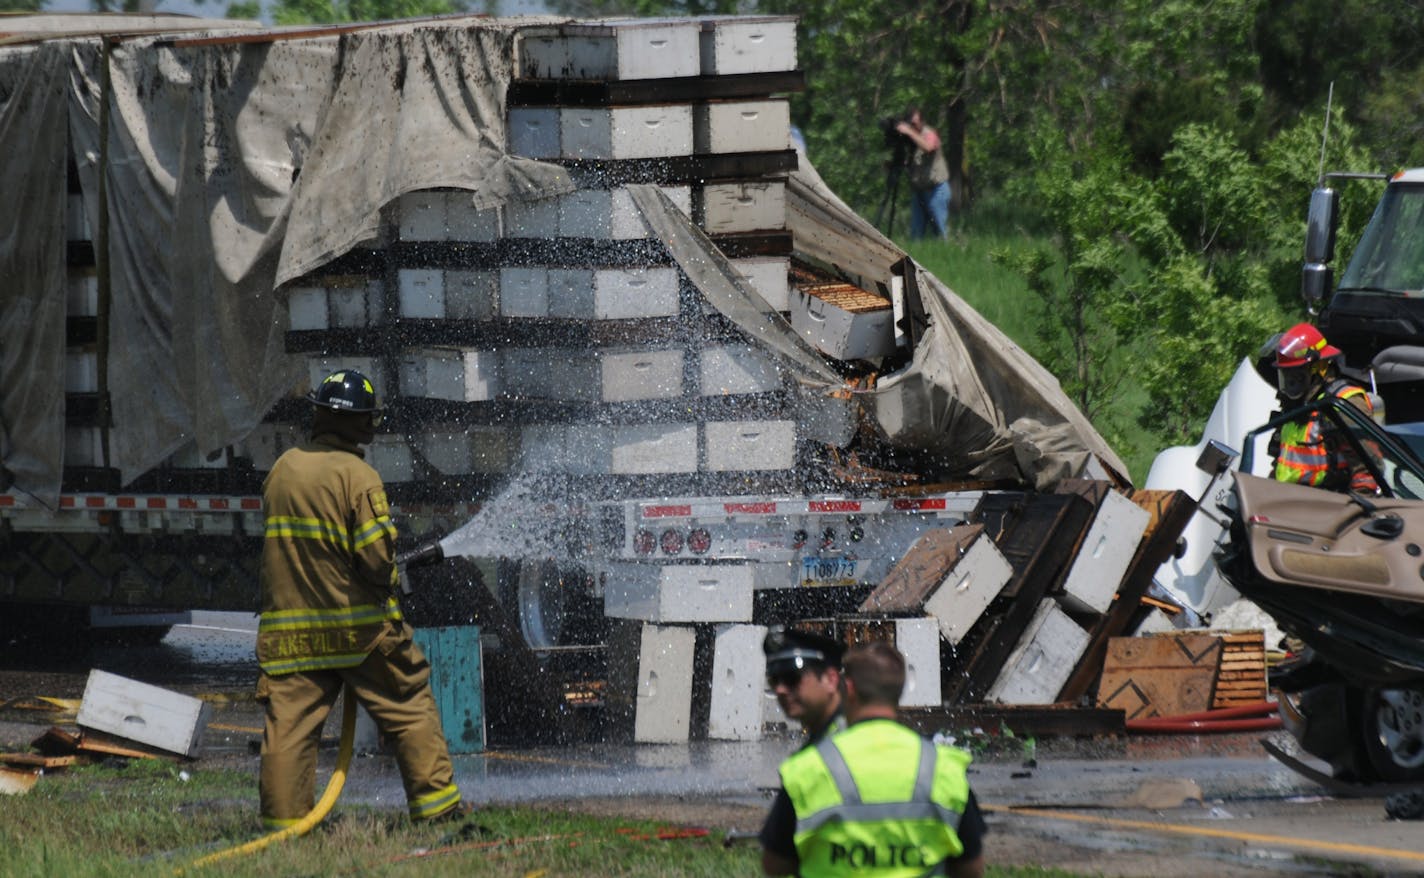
column 1312, row 452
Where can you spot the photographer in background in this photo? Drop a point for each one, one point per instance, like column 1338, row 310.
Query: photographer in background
column 929, row 177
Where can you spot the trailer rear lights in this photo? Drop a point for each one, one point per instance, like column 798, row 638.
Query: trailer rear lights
column 644, row 542
column 699, row 541
column 798, row 539
column 856, row 534
column 670, row 542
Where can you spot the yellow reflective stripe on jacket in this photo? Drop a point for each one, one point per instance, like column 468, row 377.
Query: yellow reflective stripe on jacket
column 314, row 663
column 373, row 530
column 334, row 617
column 280, row 526
column 433, row 804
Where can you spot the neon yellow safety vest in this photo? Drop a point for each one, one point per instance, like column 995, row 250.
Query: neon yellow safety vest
column 1310, row 455
column 876, row 799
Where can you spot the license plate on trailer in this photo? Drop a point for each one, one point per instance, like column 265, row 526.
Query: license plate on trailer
column 828, row 571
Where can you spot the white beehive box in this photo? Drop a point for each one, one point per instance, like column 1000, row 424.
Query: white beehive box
column 646, row 449
column 187, row 457
column 83, row 446
column 1045, row 656
column 663, row 706
column 551, row 373
column 611, row 213
column 524, row 292
column 471, row 294
column 424, row 216
column 634, row 293
column 421, row 293
column 1107, row 551
column 81, row 372
column 742, row 126
column 466, row 223
column 306, row 309
column 267, row 442
column 750, row 445
column 535, row 218
column 736, row 369
column 740, row 44
column 81, row 289
column 76, row 219
column 533, row 132
column 918, row 642
column 738, row 683
column 559, row 448
column 657, row 131
column 140, row 712
column 843, row 322
column 630, row 374
column 628, row 49
column 679, row 592
column 353, row 302
column 460, row 374
column 469, row 450
column 727, row 208
column 318, row 367
column 390, row 455
column 976, row 578
column 769, row 277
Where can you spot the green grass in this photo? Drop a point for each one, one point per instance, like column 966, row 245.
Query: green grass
column 145, row 818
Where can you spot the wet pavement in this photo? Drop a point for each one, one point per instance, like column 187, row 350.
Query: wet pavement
column 1162, row 806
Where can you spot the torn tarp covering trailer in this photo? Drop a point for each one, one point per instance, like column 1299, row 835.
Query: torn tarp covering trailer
column 231, row 167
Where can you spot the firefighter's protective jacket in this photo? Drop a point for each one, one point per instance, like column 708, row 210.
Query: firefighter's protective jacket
column 328, row 559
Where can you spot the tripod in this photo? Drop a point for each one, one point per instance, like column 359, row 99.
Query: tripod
column 893, row 171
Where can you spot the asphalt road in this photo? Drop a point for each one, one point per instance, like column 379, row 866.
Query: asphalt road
column 1139, row 805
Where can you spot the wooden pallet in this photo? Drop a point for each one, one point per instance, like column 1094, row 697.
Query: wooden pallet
column 1241, row 676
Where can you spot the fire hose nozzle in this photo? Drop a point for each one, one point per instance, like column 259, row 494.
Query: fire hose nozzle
column 421, row 556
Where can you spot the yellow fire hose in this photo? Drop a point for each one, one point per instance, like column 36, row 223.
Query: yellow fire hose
column 315, row 816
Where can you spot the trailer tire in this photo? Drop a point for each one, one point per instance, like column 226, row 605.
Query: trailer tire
column 552, row 603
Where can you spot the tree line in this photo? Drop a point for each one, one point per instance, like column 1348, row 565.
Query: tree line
column 1162, row 152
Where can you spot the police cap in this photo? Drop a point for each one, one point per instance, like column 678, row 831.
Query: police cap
column 792, row 650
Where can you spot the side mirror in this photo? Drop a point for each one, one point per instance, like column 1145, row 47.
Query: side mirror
column 1320, row 224
column 1216, row 458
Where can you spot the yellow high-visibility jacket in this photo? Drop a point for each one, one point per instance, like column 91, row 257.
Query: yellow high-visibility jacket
column 328, row 559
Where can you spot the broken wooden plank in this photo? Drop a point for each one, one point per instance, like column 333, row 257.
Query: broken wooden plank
column 37, row 760
column 112, row 745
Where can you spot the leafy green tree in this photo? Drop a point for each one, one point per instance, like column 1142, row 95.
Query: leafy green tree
column 342, row 11
column 21, row 5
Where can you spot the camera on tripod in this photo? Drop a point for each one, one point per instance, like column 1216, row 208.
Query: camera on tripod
column 900, row 145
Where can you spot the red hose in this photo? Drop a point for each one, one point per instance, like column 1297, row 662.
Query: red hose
column 1254, row 709
column 1169, row 727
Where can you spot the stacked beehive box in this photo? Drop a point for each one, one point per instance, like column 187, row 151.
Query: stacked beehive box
column 554, row 336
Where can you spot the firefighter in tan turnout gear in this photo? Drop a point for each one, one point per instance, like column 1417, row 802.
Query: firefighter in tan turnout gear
column 330, row 615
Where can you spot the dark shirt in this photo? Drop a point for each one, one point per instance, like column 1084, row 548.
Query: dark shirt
column 778, row 833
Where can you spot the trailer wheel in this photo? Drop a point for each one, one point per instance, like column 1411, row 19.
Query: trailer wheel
column 553, row 603
column 1393, row 733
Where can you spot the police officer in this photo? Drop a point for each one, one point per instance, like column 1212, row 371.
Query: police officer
column 803, row 671
column 330, row 616
column 876, row 798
